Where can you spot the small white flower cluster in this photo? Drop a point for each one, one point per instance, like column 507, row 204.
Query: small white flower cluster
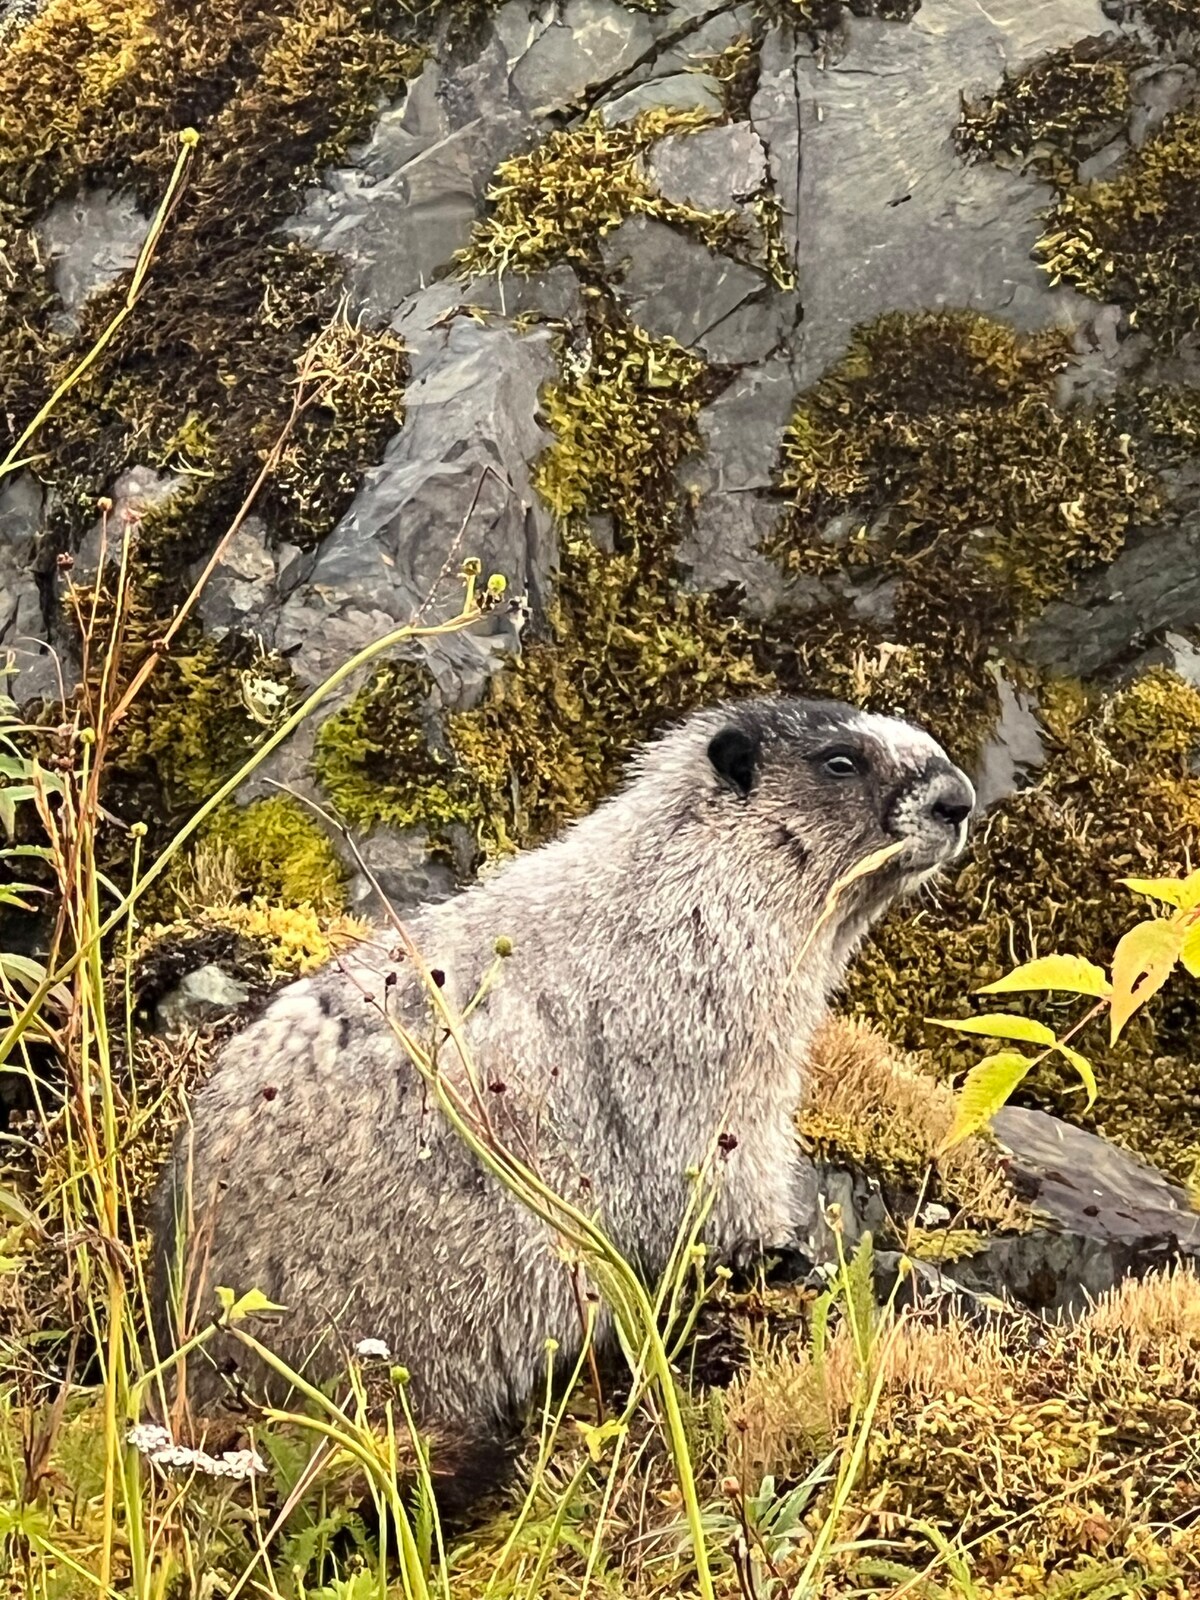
column 372, row 1350
column 157, row 1445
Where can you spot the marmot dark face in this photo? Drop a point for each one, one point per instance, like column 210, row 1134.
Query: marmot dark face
column 832, row 784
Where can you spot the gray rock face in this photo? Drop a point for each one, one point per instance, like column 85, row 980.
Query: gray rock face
column 1101, row 1215
column 675, row 287
column 23, row 633
column 91, row 239
column 593, row 43
column 199, row 997
column 710, row 170
column 398, row 213
column 455, row 480
column 1153, row 584
column 882, row 214
column 682, row 91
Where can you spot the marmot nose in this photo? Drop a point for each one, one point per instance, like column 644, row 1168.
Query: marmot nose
column 951, row 798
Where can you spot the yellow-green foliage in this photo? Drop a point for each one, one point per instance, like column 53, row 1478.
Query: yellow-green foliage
column 1132, row 238
column 953, row 476
column 555, row 202
column 1062, row 108
column 627, row 647
column 1119, row 799
column 283, row 852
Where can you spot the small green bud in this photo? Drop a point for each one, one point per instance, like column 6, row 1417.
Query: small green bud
column 400, row 1376
column 139, row 830
column 497, row 583
column 503, row 946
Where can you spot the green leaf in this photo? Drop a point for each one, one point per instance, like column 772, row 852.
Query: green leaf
column 1181, row 892
column 1141, row 964
column 1002, row 1025
column 1084, row 1068
column 985, row 1090
column 1189, row 950
column 1071, row 973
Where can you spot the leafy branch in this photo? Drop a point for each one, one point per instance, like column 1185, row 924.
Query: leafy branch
column 1142, row 962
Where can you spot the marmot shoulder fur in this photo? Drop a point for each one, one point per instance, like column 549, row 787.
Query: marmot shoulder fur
column 651, row 973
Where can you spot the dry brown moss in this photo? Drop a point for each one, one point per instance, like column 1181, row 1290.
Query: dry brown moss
column 881, row 1113
column 1046, row 1451
column 1119, row 798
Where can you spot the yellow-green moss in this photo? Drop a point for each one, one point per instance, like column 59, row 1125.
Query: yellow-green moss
column 1055, row 112
column 211, row 357
column 280, row 848
column 626, row 647
column 1133, row 238
column 379, row 759
column 934, row 459
column 556, row 202
column 192, row 726
column 1119, row 798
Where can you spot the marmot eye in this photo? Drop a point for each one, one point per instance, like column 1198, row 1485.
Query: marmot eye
column 840, row 763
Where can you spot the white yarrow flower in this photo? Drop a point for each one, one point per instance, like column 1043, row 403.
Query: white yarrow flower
column 157, row 1445
column 372, row 1350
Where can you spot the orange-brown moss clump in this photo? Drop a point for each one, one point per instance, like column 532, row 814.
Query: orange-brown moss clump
column 1119, row 798
column 934, row 460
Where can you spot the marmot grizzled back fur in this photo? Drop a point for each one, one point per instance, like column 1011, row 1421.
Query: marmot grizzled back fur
column 651, row 952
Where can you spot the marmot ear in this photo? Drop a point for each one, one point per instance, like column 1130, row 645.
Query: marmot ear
column 734, row 755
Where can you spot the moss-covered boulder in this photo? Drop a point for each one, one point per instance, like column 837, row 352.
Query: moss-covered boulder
column 912, row 420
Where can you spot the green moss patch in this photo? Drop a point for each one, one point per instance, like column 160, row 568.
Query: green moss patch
column 1057, row 111
column 935, row 459
column 279, row 847
column 204, row 372
column 195, row 724
column 1135, row 238
column 557, row 201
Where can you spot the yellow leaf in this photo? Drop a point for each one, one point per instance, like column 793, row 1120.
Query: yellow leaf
column 1181, row 892
column 249, row 1305
column 1084, row 1068
column 1001, row 1025
column 985, row 1089
column 1071, row 973
column 1141, row 964
column 1189, row 950
column 597, row 1437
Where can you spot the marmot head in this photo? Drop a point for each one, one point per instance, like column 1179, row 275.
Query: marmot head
column 827, row 785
